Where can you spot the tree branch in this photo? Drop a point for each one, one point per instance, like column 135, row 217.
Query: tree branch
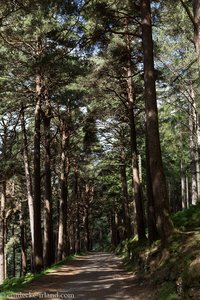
column 190, row 15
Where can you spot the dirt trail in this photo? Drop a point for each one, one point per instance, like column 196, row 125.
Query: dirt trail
column 97, row 276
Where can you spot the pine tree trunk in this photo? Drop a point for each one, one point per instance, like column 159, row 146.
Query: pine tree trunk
column 125, row 197
column 87, row 213
column 23, row 267
column 63, row 243
column 28, row 177
column 196, row 10
column 48, row 226
column 13, row 251
column 164, row 223
column 76, row 196
column 38, row 248
column 183, row 187
column 151, row 216
column 2, row 232
column 137, row 192
column 193, row 148
column 187, row 192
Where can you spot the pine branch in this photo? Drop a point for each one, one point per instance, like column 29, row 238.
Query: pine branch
column 190, row 15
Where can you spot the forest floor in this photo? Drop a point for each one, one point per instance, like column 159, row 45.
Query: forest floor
column 95, row 276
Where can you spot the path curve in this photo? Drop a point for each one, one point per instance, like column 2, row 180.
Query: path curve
column 96, row 276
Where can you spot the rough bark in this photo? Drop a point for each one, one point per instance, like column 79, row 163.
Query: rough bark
column 2, row 232
column 38, row 249
column 151, row 216
column 48, row 226
column 76, row 196
column 28, row 177
column 137, row 192
column 23, row 267
column 63, row 243
column 125, row 197
column 164, row 223
column 196, row 23
column 183, row 187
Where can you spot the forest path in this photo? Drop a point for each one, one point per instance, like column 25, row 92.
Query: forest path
column 96, row 276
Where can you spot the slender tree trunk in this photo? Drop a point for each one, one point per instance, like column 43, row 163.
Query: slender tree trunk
column 194, row 146
column 87, row 214
column 196, row 10
column 28, row 177
column 13, row 251
column 187, row 191
column 193, row 150
column 2, row 232
column 151, row 216
column 48, row 226
column 183, row 187
column 23, row 267
column 114, row 229
column 38, row 248
column 125, row 197
column 63, row 235
column 137, row 191
column 76, row 196
column 164, row 223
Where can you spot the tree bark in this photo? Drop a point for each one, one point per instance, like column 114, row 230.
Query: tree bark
column 76, row 196
column 28, row 177
column 38, row 249
column 196, row 11
column 23, row 267
column 125, row 197
column 164, row 223
column 48, row 226
column 2, row 232
column 151, row 216
column 137, row 192
column 62, row 248
column 183, row 187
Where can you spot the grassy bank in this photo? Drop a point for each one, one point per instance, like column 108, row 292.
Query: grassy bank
column 17, row 284
column 173, row 270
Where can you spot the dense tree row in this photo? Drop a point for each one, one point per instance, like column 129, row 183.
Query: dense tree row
column 80, row 148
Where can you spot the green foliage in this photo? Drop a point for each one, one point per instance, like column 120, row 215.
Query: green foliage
column 188, row 219
column 167, row 292
column 16, row 284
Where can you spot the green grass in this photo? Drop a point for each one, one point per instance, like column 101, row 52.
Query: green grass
column 17, row 284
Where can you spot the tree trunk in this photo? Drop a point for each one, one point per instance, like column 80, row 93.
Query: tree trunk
column 38, row 249
column 48, row 226
column 87, row 214
column 137, row 192
column 63, row 242
column 187, row 191
column 125, row 197
column 164, row 223
column 196, row 10
column 13, row 251
column 151, row 216
column 76, row 196
column 193, row 149
column 23, row 267
column 28, row 177
column 2, row 232
column 183, row 187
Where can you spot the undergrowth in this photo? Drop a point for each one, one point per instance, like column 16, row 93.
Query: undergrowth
column 173, row 270
column 17, row 284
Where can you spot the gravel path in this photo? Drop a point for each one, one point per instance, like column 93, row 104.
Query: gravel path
column 96, row 276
